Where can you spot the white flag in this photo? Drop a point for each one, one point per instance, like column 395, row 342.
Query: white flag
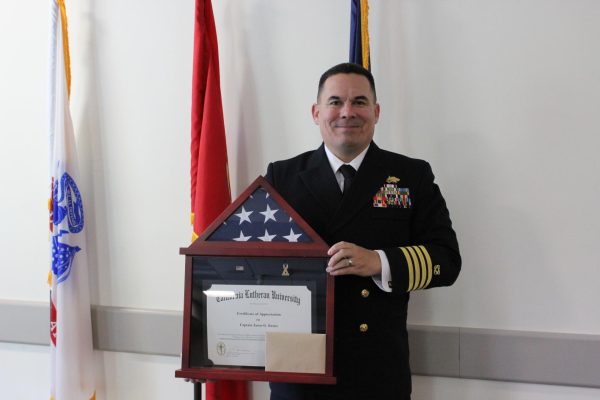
column 70, row 319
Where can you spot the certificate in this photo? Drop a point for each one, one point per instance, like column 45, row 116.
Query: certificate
column 237, row 317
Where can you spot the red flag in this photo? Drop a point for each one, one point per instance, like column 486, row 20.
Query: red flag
column 209, row 170
column 210, row 180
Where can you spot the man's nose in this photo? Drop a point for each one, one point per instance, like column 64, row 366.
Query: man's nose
column 347, row 110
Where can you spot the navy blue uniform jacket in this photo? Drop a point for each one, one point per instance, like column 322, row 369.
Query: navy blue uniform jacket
column 393, row 205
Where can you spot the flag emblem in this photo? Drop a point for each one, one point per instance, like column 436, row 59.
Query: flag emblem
column 69, row 207
column 62, row 257
column 69, row 204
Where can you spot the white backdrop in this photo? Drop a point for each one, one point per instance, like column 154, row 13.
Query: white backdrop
column 501, row 96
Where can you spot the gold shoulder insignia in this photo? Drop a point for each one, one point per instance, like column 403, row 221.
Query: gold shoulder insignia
column 392, row 179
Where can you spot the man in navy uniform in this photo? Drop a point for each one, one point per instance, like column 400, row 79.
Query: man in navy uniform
column 389, row 230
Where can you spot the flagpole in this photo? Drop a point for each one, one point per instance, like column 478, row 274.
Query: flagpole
column 197, row 391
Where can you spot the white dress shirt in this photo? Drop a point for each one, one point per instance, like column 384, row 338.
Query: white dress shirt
column 381, row 280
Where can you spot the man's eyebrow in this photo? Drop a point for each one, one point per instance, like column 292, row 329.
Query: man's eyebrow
column 361, row 97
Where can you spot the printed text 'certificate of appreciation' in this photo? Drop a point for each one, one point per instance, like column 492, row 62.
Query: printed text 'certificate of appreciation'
column 239, row 315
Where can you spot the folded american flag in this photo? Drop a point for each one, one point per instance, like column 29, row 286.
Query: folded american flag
column 259, row 218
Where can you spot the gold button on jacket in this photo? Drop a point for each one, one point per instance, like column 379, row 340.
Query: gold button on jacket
column 364, row 327
column 365, row 293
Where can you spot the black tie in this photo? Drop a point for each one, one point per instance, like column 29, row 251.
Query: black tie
column 348, row 172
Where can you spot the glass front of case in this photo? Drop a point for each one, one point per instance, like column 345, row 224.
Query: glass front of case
column 236, row 300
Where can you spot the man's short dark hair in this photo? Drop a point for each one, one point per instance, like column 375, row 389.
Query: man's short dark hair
column 347, row 68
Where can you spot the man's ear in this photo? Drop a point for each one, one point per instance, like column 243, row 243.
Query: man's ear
column 315, row 113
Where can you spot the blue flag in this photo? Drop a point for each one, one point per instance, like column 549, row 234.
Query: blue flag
column 359, row 33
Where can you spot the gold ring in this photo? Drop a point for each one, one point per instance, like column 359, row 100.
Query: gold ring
column 349, row 263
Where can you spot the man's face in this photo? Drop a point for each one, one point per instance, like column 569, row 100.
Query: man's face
column 346, row 113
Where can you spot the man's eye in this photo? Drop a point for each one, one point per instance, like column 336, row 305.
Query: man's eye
column 335, row 103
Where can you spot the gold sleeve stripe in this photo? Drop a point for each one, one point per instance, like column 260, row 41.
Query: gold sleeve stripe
column 420, row 267
column 429, row 266
column 411, row 278
column 423, row 267
column 417, row 265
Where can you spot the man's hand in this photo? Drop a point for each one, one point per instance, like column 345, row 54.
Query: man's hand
column 350, row 259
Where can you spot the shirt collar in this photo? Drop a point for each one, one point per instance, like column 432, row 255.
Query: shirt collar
column 336, row 163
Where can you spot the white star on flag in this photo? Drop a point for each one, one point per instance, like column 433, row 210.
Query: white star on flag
column 269, row 214
column 292, row 237
column 244, row 215
column 242, row 238
column 266, row 237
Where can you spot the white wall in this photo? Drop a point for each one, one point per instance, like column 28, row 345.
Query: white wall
column 26, row 375
column 500, row 96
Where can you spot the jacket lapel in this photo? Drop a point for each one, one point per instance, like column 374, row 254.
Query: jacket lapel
column 320, row 181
